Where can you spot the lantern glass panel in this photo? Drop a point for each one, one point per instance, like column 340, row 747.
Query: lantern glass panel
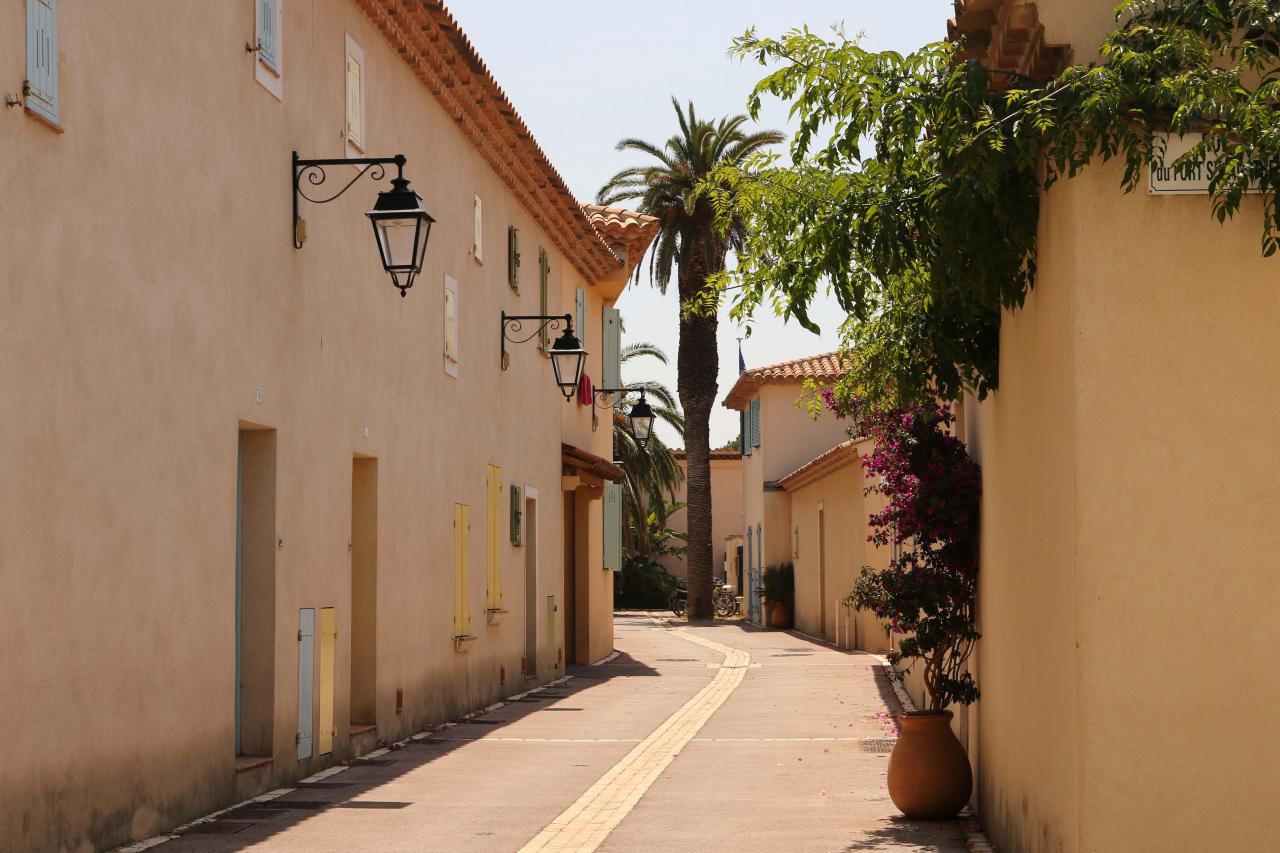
column 400, row 242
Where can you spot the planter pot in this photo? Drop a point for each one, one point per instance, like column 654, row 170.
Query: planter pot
column 929, row 775
column 780, row 615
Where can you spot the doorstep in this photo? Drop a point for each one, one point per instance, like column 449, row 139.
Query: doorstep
column 248, row 762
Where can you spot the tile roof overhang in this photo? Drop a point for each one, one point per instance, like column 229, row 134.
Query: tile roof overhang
column 1007, row 37
column 428, row 38
column 715, row 455
column 626, row 232
column 575, row 459
column 840, row 456
column 823, row 368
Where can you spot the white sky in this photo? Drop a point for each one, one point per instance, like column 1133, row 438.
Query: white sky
column 585, row 74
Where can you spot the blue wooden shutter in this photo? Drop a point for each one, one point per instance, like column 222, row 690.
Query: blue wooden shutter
column 306, row 674
column 754, row 422
column 613, row 526
column 269, row 33
column 41, row 88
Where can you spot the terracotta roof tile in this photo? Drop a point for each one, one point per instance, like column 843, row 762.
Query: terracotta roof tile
column 626, row 232
column 1006, row 36
column 679, row 453
column 429, row 40
column 822, row 368
column 584, row 460
column 840, row 456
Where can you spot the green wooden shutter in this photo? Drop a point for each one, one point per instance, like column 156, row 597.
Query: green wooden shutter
column 544, row 273
column 613, row 526
column 517, row 516
column 513, row 258
column 269, row 33
column 40, row 91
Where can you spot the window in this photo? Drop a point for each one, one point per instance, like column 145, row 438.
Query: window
column 268, row 47
column 477, row 243
column 461, row 569
column 355, row 99
column 450, row 325
column 513, row 258
column 493, row 556
column 40, row 90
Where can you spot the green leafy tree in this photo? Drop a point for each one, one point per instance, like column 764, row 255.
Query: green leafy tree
column 913, row 183
column 652, row 472
column 693, row 246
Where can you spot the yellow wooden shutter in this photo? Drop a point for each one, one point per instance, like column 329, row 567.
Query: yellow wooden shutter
column 461, row 528
column 328, row 649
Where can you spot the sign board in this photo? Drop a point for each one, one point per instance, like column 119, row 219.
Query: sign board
column 1191, row 178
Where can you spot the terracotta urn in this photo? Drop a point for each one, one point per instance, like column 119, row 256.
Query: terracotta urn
column 780, row 615
column 929, row 775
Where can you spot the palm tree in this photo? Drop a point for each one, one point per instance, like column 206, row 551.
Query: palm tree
column 652, row 471
column 672, row 189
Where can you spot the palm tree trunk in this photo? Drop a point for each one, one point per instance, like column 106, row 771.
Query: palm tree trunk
column 696, row 368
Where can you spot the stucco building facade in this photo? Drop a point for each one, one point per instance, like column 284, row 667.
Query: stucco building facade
column 259, row 511
column 1128, row 486
column 726, row 515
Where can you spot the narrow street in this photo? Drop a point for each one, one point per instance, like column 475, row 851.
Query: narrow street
column 720, row 737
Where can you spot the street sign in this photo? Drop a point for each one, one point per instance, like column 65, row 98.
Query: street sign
column 1190, row 178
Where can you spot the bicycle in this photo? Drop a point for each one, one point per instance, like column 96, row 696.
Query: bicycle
column 723, row 600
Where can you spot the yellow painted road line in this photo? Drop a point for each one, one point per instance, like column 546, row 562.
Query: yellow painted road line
column 585, row 825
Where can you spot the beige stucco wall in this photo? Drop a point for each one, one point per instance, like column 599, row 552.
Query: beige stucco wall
column 1129, row 462
column 845, row 510
column 789, row 437
column 726, row 514
column 149, row 290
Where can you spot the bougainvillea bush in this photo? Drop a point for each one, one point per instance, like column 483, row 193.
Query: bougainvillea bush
column 929, row 587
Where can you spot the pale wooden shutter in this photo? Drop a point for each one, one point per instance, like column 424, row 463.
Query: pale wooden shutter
column 306, row 670
column 544, row 273
column 580, row 315
column 493, row 553
column 355, row 101
column 611, row 349
column 613, row 526
column 754, row 419
column 269, row 33
column 461, row 528
column 477, row 245
column 41, row 88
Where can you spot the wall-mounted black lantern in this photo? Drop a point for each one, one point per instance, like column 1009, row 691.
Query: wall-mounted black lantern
column 640, row 414
column 401, row 224
column 567, row 355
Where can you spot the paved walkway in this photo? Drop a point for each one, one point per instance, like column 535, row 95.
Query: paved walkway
column 717, row 737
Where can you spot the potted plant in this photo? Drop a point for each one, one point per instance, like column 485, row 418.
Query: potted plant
column 927, row 592
column 778, row 589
